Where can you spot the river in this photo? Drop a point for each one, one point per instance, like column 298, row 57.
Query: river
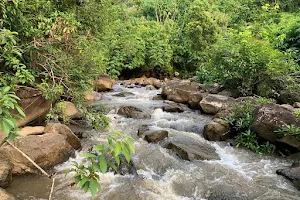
column 238, row 175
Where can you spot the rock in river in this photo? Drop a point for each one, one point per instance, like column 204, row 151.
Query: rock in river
column 152, row 135
column 190, row 149
column 133, row 112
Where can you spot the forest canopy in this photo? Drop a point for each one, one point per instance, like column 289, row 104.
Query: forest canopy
column 61, row 46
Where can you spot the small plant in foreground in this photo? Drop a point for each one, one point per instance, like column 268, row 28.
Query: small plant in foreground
column 102, row 158
column 9, row 102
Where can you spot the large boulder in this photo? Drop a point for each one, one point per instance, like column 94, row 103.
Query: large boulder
column 290, row 143
column 5, row 174
column 152, row 135
column 133, row 112
column 103, row 84
column 67, row 110
column 213, row 103
column 292, row 174
column 180, row 91
column 5, row 195
column 194, row 99
column 62, row 129
column 217, row 130
column 91, row 96
column 35, row 106
column 170, row 106
column 271, row 117
column 190, row 149
column 296, row 105
column 31, row 130
column 46, row 150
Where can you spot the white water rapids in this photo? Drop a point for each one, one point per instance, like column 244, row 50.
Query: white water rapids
column 238, row 175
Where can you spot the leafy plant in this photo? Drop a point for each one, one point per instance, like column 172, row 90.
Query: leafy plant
column 264, row 100
column 241, row 117
column 289, row 130
column 249, row 140
column 9, row 102
column 102, row 158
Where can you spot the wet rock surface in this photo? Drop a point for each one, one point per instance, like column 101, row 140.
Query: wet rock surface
column 152, row 135
column 5, row 174
column 133, row 112
column 213, row 103
column 190, row 149
column 62, row 129
column 269, row 118
column 46, row 150
column 170, row 106
column 292, row 174
column 5, row 195
column 104, row 83
column 217, row 130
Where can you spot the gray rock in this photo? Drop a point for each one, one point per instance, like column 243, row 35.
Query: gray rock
column 190, row 149
column 269, row 118
column 213, row 103
column 152, row 135
column 5, row 195
column 133, row 112
column 292, row 174
column 217, row 130
column 170, row 106
column 5, row 174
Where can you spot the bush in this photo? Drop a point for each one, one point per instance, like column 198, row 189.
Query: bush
column 240, row 120
column 249, row 65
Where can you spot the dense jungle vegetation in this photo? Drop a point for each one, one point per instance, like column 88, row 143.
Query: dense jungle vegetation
column 61, row 46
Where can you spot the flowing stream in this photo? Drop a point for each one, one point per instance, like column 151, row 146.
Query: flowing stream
column 238, row 175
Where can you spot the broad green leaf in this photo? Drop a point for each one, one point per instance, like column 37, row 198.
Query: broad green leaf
column 10, row 122
column 86, row 187
column 95, row 167
column 103, row 166
column 21, row 112
column 113, row 166
column 126, row 153
column 89, row 155
column 83, row 181
column 117, row 149
column 94, row 185
column 5, row 127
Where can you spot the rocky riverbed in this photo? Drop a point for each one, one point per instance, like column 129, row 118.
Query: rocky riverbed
column 173, row 159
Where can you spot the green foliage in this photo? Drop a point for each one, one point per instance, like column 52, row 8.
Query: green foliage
column 241, row 117
column 264, row 100
column 297, row 113
column 249, row 140
column 9, row 102
column 289, row 130
column 102, row 158
column 240, row 120
column 249, row 65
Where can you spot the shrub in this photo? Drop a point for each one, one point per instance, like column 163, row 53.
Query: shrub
column 241, row 62
column 101, row 159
